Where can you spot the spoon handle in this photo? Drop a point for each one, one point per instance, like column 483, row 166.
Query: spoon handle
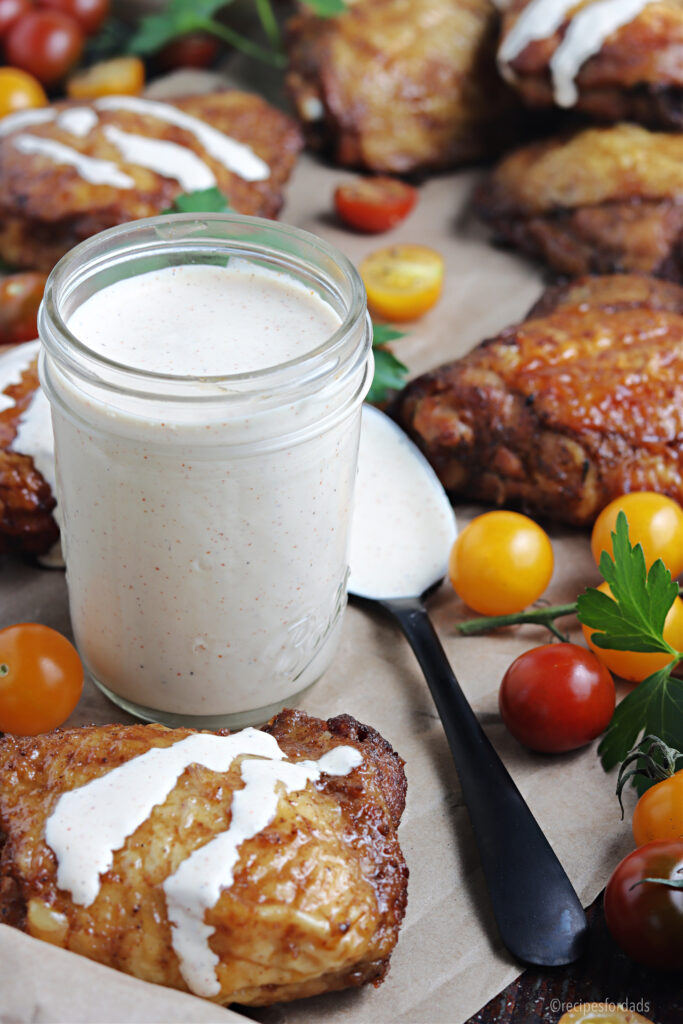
column 539, row 916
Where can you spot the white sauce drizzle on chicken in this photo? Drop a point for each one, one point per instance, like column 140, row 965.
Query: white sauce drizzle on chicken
column 89, row 823
column 98, row 172
column 588, row 29
column 165, row 158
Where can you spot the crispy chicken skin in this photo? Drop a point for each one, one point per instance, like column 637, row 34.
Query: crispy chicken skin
column 26, row 500
column 318, row 896
column 47, row 207
column 400, row 85
column 637, row 73
column 599, row 201
column 581, row 402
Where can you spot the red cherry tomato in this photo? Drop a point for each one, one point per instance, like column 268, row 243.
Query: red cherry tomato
column 374, row 204
column 47, row 44
column 11, row 11
column 556, row 697
column 20, row 297
column 41, row 678
column 195, row 50
column 646, row 919
column 88, row 13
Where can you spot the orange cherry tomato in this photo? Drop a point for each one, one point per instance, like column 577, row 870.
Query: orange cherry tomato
column 41, row 678
column 637, row 665
column 501, row 563
column 19, row 91
column 122, row 76
column 20, row 297
column 374, row 204
column 402, row 281
column 659, row 812
column 654, row 521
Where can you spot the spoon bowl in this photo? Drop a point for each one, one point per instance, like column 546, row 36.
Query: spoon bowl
column 402, row 529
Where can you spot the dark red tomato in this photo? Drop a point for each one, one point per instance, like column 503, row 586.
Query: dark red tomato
column 646, row 919
column 556, row 697
column 195, row 50
column 88, row 13
column 11, row 11
column 47, row 44
column 374, row 204
column 20, row 296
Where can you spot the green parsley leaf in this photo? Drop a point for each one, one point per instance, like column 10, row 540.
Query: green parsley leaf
column 633, row 619
column 326, row 8
column 206, row 200
column 178, row 18
column 654, row 706
column 390, row 372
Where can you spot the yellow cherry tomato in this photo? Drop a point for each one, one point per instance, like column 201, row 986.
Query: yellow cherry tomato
column 659, row 812
column 501, row 563
column 402, row 281
column 634, row 665
column 602, row 1013
column 19, row 91
column 654, row 520
column 122, row 76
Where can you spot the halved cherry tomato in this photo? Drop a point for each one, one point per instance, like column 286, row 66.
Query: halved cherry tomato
column 374, row 204
column 195, row 50
column 41, row 678
column 654, row 520
column 501, row 563
column 402, row 281
column 47, row 44
column 659, row 812
column 556, row 697
column 20, row 297
column 19, row 91
column 88, row 13
column 646, row 918
column 11, row 11
column 121, row 76
column 634, row 665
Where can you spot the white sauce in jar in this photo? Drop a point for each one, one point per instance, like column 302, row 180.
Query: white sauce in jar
column 203, row 583
column 588, row 29
column 403, row 525
column 90, row 823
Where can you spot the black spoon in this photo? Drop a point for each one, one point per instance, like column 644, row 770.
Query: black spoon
column 539, row 915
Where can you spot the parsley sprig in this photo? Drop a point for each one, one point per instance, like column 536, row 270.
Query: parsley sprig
column 633, row 620
column 204, row 200
column 390, row 372
column 181, row 17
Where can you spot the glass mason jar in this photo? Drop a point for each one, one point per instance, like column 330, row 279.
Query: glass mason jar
column 171, row 626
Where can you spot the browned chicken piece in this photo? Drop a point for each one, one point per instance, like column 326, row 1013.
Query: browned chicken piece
column 27, row 525
column 317, row 896
column 636, row 73
column 581, row 402
column 47, row 205
column 602, row 200
column 401, row 85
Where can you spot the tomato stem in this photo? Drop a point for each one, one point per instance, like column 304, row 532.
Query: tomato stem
column 4, row 669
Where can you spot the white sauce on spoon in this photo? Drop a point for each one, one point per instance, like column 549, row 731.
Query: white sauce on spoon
column 89, row 823
column 99, row 172
column 235, row 156
column 403, row 525
column 587, row 31
column 165, row 158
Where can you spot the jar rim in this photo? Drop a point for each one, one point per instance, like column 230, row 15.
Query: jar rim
column 164, row 231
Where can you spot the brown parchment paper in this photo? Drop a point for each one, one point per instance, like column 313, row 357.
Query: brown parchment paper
column 448, row 961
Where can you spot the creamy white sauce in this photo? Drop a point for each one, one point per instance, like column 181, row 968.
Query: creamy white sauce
column 78, row 121
column 403, row 525
column 199, row 586
column 99, row 172
column 90, row 823
column 588, row 29
column 26, row 119
column 165, row 158
column 235, row 156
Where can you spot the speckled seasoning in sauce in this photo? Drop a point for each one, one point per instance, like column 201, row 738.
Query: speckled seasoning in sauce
column 205, row 511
